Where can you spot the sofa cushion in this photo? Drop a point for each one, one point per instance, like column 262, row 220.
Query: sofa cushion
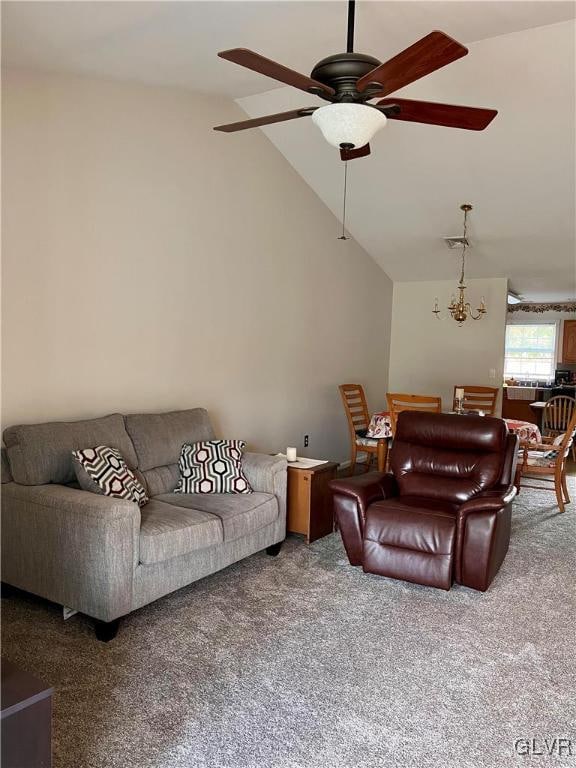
column 167, row 531
column 239, row 514
column 162, row 479
column 158, row 437
column 42, row 453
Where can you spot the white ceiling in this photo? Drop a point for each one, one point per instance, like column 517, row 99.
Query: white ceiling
column 175, row 43
column 519, row 173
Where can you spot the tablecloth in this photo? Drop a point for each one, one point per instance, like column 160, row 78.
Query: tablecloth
column 380, row 425
column 526, row 431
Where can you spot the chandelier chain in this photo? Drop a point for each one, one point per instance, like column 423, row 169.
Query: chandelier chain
column 464, row 246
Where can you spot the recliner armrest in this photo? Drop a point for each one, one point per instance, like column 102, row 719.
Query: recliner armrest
column 352, row 497
column 482, row 536
column 489, row 501
column 366, row 489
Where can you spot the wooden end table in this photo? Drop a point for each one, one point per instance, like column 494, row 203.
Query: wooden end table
column 309, row 500
column 26, row 719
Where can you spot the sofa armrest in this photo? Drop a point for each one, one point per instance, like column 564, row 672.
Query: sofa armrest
column 352, row 497
column 267, row 474
column 75, row 548
column 261, row 470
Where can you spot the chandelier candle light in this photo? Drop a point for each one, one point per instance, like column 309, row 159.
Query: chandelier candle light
column 460, row 309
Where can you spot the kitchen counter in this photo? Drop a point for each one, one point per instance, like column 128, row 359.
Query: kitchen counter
column 516, row 402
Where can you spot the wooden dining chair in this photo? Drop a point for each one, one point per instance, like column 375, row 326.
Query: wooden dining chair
column 546, row 462
column 556, row 416
column 477, row 398
column 358, row 417
column 398, row 402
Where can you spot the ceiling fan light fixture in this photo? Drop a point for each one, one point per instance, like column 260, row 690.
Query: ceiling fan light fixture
column 348, row 125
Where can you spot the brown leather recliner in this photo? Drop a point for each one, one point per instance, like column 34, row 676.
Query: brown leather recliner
column 443, row 512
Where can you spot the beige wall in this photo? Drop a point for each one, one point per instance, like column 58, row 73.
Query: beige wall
column 150, row 263
column 429, row 356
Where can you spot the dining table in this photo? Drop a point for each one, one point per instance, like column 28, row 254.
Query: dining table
column 381, row 427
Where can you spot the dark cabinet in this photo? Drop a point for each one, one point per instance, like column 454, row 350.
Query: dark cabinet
column 569, row 342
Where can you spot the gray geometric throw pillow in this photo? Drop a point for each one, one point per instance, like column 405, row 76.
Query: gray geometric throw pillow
column 212, row 466
column 103, row 470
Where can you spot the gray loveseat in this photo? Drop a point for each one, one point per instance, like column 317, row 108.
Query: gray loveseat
column 106, row 557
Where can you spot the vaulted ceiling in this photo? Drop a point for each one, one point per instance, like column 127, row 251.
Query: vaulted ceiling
column 518, row 174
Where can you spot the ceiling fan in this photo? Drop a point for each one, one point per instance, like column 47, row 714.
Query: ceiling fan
column 349, row 81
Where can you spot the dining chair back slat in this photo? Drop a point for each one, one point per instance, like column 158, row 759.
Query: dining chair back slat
column 358, row 418
column 355, row 406
column 398, row 402
column 557, row 414
column 477, row 398
column 552, row 464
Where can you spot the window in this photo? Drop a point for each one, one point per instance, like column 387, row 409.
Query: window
column 530, row 351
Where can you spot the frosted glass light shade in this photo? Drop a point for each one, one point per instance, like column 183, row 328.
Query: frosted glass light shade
column 353, row 124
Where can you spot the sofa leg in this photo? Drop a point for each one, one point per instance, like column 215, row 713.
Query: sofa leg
column 106, row 630
column 274, row 550
column 7, row 590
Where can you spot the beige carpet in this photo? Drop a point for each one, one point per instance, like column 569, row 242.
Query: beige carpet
column 305, row 662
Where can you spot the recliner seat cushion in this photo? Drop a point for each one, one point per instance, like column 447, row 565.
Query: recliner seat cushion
column 238, row 514
column 167, row 531
column 405, row 542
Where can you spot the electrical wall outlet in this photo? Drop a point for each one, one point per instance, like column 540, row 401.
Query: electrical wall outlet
column 306, row 441
column 492, row 373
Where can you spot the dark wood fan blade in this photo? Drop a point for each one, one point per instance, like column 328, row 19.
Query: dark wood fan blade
column 351, row 154
column 279, row 117
column 264, row 66
column 427, row 55
column 449, row 115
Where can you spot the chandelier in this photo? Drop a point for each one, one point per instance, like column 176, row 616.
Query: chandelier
column 460, row 309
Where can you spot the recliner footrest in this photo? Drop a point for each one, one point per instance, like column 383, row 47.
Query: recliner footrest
column 408, row 545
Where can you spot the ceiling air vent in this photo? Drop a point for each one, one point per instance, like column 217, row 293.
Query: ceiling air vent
column 457, row 242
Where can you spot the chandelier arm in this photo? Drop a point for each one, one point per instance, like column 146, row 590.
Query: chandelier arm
column 475, row 317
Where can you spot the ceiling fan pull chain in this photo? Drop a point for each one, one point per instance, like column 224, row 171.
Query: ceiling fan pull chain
column 343, row 235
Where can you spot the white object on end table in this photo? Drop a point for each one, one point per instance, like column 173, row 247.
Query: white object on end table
column 291, row 454
column 302, row 463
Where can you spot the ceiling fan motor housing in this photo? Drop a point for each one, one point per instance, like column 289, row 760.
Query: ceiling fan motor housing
column 342, row 71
